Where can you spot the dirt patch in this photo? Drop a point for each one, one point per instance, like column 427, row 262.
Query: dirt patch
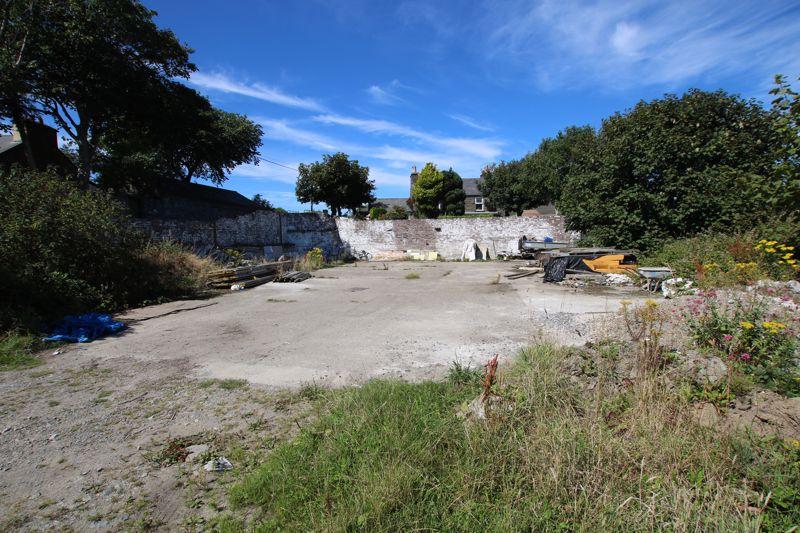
column 102, row 444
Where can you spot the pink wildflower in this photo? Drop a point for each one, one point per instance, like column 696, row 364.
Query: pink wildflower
column 727, row 338
column 745, row 356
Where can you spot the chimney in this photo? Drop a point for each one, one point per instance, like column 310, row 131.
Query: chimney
column 413, row 177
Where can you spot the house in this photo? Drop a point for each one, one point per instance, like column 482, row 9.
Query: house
column 44, row 145
column 474, row 202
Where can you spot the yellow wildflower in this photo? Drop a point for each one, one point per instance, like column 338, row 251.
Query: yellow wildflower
column 788, row 256
column 770, row 250
column 747, row 325
column 792, row 261
column 772, row 243
column 790, row 248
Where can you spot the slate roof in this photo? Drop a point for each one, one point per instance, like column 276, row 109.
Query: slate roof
column 7, row 142
column 392, row 202
column 204, row 193
column 471, row 187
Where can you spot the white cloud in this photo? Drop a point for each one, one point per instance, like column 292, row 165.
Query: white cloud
column 223, row 83
column 383, row 97
column 614, row 44
column 471, row 122
column 281, row 130
column 487, row 149
column 388, row 94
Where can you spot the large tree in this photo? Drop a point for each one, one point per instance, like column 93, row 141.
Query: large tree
column 336, row 181
column 86, row 63
column 537, row 178
column 671, row 167
column 427, row 191
column 452, row 193
column 178, row 135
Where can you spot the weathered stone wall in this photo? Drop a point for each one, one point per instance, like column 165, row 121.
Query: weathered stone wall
column 267, row 232
column 275, row 234
column 384, row 238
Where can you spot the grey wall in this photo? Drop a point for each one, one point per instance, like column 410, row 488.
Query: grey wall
column 383, row 238
column 275, row 234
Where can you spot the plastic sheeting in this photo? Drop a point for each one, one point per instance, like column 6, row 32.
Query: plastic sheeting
column 85, row 328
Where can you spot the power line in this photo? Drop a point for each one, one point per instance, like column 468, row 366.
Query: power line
column 276, row 163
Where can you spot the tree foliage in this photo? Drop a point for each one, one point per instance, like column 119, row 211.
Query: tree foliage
column 180, row 135
column 336, row 181
column 537, row 178
column 671, row 167
column 438, row 192
column 105, row 74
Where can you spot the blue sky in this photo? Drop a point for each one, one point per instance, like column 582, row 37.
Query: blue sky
column 461, row 83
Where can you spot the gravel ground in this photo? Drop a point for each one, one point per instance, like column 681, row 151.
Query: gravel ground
column 88, row 438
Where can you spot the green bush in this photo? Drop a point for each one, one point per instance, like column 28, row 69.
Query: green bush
column 749, row 338
column 65, row 250
column 716, row 259
column 396, row 213
column 377, row 213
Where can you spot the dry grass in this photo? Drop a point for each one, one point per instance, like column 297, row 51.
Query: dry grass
column 393, row 456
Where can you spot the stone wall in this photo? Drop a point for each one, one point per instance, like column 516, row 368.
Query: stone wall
column 275, row 234
column 267, row 232
column 384, row 238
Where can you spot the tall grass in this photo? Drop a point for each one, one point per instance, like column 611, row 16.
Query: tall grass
column 16, row 351
column 393, row 456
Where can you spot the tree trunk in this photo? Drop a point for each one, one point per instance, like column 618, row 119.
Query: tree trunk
column 85, row 155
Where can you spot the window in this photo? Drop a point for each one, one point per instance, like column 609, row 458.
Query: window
column 478, row 203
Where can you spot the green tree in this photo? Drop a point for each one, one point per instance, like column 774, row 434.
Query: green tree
column 88, row 64
column 453, row 195
column 427, row 191
column 538, row 178
column 785, row 194
column 336, row 181
column 262, row 202
column 673, row 167
column 178, row 135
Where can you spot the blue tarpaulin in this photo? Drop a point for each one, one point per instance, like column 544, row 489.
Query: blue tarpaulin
column 85, row 328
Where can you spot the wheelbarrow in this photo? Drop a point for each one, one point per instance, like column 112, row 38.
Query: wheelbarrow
column 654, row 276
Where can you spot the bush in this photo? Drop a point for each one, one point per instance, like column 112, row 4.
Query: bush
column 64, row 250
column 377, row 213
column 716, row 260
column 396, row 213
column 749, row 338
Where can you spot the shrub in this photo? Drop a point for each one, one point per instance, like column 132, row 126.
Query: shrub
column 717, row 260
column 16, row 351
column 396, row 213
column 749, row 338
column 312, row 260
column 65, row 250
column 377, row 213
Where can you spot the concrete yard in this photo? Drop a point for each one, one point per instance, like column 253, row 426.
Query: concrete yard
column 356, row 322
column 82, row 433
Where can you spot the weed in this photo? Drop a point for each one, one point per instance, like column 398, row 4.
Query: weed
column 392, row 456
column 749, row 338
column 447, row 273
column 16, row 351
column 495, row 280
column 224, row 384
column 459, row 374
column 412, row 275
column 311, row 391
column 53, row 403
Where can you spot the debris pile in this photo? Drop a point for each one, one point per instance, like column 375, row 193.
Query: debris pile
column 247, row 276
column 293, row 276
column 84, row 328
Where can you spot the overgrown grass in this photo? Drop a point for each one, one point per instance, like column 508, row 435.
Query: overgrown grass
column 224, row 384
column 16, row 351
column 393, row 456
